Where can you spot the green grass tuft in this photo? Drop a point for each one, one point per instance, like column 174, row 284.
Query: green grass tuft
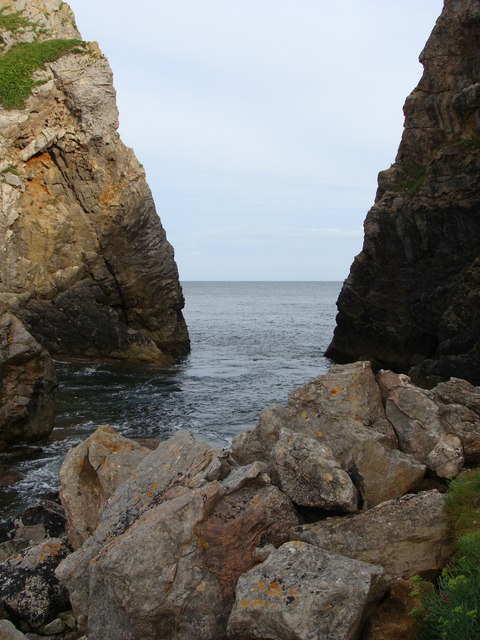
column 20, row 61
column 463, row 504
column 13, row 21
column 451, row 611
column 410, row 178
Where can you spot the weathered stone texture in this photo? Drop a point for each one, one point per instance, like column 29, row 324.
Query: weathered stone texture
column 411, row 299
column 85, row 260
column 302, row 592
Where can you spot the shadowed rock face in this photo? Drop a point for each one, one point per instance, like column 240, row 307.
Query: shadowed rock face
column 86, row 264
column 411, row 299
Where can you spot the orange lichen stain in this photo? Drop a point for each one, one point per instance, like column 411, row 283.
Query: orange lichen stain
column 293, row 592
column 328, row 477
column 320, row 434
column 255, row 499
column 305, row 415
column 335, row 390
column 10, row 338
column 289, row 440
column 326, row 607
column 202, row 543
column 274, row 584
column 248, row 602
column 259, row 586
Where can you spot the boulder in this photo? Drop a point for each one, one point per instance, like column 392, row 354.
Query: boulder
column 28, row 385
column 90, row 474
column 171, row 544
column 308, row 474
column 257, row 444
column 306, row 593
column 29, row 589
column 382, row 473
column 406, row 536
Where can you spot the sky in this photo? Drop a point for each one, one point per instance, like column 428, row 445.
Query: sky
column 262, row 124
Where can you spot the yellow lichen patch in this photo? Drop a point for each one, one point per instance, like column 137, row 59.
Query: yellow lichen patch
column 289, row 440
column 10, row 338
column 293, row 592
column 305, row 415
column 328, row 477
column 248, row 602
column 326, row 607
column 202, row 543
column 255, row 499
column 274, row 590
column 320, row 434
column 259, row 586
column 201, row 587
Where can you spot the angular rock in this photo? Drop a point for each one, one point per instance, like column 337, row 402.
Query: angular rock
column 29, row 588
column 308, row 474
column 171, row 543
column 257, row 444
column 406, row 536
column 90, row 474
column 459, row 404
column 85, row 263
column 411, row 299
column 28, row 385
column 446, row 457
column 306, row 593
column 382, row 473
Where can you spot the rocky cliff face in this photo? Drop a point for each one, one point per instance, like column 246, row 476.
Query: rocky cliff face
column 84, row 260
column 412, row 297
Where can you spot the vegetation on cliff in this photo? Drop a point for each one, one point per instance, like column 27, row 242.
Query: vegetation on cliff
column 18, row 64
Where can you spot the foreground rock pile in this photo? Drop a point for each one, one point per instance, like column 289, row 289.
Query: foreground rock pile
column 300, row 530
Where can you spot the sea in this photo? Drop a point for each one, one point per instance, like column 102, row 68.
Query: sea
column 251, row 343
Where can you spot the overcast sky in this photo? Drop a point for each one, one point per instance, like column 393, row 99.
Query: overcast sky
column 262, row 124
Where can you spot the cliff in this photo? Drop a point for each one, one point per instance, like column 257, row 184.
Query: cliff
column 410, row 302
column 84, row 262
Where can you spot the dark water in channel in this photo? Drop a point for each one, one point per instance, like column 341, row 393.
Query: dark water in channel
column 252, row 342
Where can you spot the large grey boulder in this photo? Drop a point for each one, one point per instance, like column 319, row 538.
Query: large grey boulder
column 406, row 536
column 307, row 473
column 28, row 385
column 302, row 592
column 171, row 543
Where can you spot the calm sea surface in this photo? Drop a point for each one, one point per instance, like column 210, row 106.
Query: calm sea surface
column 252, row 342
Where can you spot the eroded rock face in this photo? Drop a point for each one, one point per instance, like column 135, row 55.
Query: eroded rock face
column 28, row 385
column 411, row 299
column 85, row 261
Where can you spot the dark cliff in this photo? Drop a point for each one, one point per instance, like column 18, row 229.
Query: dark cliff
column 411, row 300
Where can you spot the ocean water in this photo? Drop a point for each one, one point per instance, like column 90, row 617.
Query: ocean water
column 252, row 342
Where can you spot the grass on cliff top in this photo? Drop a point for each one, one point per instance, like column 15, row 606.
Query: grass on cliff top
column 20, row 61
column 462, row 504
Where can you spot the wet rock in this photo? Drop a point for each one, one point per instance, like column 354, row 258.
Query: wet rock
column 28, row 385
column 308, row 474
column 304, row 592
column 90, row 474
column 171, row 543
column 29, row 588
column 406, row 536
column 382, row 473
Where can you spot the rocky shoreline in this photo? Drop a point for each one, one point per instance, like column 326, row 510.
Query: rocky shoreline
column 309, row 526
